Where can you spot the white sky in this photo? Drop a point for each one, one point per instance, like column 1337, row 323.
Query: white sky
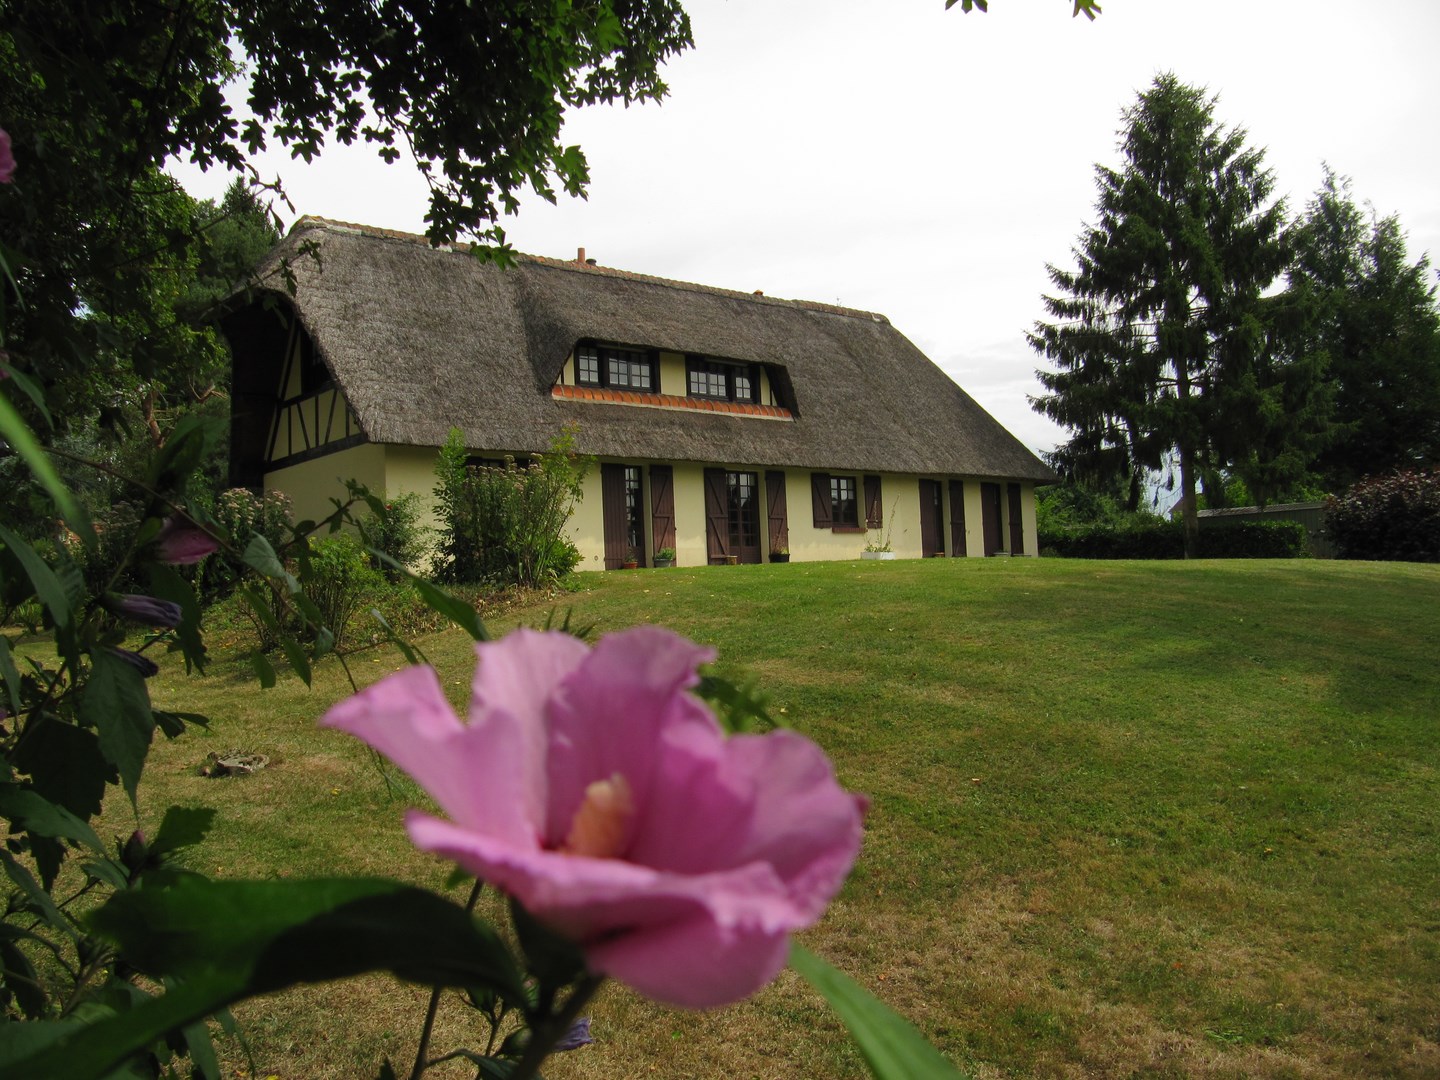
column 892, row 156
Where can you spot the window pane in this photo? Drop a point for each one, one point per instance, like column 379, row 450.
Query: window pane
column 844, row 508
column 588, row 369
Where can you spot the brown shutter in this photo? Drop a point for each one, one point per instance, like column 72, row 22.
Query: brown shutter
column 717, row 521
column 957, row 518
column 662, row 506
column 1017, row 523
column 612, row 511
column 779, row 532
column 874, row 504
column 990, row 517
column 820, row 499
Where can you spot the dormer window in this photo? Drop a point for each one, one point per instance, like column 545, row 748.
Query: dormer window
column 618, row 369
column 721, row 380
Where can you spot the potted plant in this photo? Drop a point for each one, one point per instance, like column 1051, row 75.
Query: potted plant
column 632, row 560
column 876, row 547
column 778, row 551
column 664, row 558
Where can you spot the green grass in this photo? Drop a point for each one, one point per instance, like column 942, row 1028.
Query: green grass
column 1128, row 819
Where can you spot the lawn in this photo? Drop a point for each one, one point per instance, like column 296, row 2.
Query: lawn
column 1128, row 819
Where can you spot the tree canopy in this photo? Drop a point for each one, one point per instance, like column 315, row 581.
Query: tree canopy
column 1373, row 316
column 1161, row 336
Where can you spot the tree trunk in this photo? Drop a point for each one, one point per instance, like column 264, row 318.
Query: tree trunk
column 1189, row 519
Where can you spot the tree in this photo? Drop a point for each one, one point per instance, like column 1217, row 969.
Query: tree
column 1375, row 320
column 1160, row 336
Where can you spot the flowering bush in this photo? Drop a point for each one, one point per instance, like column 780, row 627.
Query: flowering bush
column 592, row 787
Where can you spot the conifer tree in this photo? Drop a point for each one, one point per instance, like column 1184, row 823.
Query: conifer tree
column 1375, row 320
column 1160, row 335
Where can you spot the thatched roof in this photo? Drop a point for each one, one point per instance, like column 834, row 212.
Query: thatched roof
column 421, row 339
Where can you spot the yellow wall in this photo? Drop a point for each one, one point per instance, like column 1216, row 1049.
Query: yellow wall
column 312, row 484
column 395, row 470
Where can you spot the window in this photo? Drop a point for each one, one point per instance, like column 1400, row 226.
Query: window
column 634, row 511
column 835, row 502
column 844, row 506
column 722, row 380
column 619, row 369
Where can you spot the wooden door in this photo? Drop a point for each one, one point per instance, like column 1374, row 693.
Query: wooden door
column 612, row 512
column 662, row 506
column 990, row 518
column 932, row 519
column 743, row 515
column 1017, row 523
column 778, row 522
column 717, row 526
column 957, row 518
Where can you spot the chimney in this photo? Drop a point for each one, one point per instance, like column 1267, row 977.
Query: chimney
column 580, row 256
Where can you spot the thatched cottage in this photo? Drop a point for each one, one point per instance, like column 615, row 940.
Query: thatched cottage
column 728, row 425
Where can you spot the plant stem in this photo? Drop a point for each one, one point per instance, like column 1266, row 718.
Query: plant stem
column 543, row 1038
column 429, row 1026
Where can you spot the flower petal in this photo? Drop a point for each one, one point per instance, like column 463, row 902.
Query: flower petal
column 770, row 798
column 606, row 718
column 512, row 687
column 695, row 963
column 470, row 772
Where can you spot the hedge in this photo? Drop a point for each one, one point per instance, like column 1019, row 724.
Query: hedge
column 1166, row 540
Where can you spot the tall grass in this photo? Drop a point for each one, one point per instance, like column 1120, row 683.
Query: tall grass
column 1127, row 818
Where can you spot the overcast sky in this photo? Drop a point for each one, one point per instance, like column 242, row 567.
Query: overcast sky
column 895, row 157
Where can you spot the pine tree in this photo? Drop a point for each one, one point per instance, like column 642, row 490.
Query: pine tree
column 1160, row 335
column 1375, row 320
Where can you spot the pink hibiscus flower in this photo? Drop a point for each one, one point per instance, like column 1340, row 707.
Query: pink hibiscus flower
column 7, row 158
column 602, row 795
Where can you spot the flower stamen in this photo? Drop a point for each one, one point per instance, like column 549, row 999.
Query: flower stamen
column 601, row 826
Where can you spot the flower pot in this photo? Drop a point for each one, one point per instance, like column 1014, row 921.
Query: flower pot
column 664, row 564
column 885, row 556
column 629, row 564
column 779, row 556
column 732, row 560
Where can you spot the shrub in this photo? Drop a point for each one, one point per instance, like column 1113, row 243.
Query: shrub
column 342, row 582
column 1393, row 517
column 242, row 514
column 397, row 532
column 1166, row 540
column 505, row 525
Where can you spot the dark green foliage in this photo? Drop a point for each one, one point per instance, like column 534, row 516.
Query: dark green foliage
column 243, row 515
column 342, row 583
column 1162, row 339
column 506, row 524
column 1391, row 517
column 1166, row 540
column 394, row 528
column 1373, row 318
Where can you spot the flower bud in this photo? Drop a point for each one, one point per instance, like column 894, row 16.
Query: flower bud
column 142, row 664
column 181, row 543
column 576, row 1037
column 146, row 609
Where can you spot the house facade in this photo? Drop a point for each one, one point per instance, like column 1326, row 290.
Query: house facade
column 728, row 426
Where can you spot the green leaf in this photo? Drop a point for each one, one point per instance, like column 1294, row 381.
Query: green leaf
column 37, row 899
column 35, row 814
column 65, row 764
column 182, row 827
column 11, row 675
column 167, row 584
column 18, row 976
column 457, row 611
column 47, row 586
column 223, row 941
column 264, row 670
column 117, row 704
column 891, row 1047
column 260, row 556
column 411, row 654
column 295, row 653
column 16, row 432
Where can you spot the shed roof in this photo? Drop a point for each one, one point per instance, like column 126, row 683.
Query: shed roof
column 420, row 339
